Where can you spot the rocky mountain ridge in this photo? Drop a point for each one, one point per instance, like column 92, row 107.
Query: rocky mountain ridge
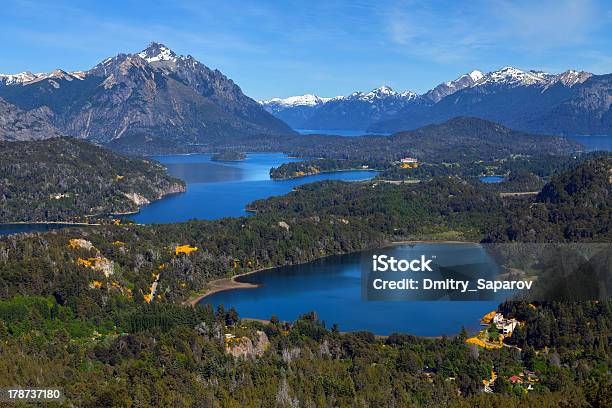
column 153, row 94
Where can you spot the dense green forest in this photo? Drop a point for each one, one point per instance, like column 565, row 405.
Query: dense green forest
column 573, row 206
column 458, row 140
column 74, row 310
column 521, row 172
column 64, row 179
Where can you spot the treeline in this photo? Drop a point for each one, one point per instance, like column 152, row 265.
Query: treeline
column 310, row 167
column 318, row 220
column 64, row 179
column 521, row 172
column 458, row 140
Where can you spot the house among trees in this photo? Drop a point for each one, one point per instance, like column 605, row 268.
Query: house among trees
column 409, row 163
column 505, row 326
column 515, row 379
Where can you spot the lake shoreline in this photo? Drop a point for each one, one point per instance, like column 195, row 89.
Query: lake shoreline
column 326, row 172
column 224, row 284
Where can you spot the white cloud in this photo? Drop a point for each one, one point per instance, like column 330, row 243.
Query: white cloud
column 451, row 31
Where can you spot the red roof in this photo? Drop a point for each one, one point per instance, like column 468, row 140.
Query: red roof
column 515, row 379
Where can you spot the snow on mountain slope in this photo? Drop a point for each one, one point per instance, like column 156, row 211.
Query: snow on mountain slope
column 27, row 77
column 514, row 77
column 360, row 109
column 157, row 52
column 570, row 78
column 301, row 100
column 381, row 93
column 450, row 87
column 126, row 98
column 20, row 78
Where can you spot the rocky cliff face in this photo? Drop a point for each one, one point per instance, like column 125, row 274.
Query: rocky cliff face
column 16, row 124
column 245, row 347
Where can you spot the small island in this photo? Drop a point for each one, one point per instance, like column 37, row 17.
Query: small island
column 229, row 155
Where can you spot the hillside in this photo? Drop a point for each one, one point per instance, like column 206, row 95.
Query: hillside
column 573, row 206
column 16, row 124
column 64, row 179
column 154, row 94
column 456, row 140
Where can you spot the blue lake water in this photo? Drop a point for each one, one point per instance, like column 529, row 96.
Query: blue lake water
column 332, row 288
column 223, row 189
column 492, row 179
column 592, row 143
column 337, row 132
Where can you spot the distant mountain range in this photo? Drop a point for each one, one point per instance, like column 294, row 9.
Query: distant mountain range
column 568, row 103
column 154, row 97
column 355, row 111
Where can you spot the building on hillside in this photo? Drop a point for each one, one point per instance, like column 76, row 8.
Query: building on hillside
column 505, row 326
column 409, row 163
column 508, row 326
column 498, row 319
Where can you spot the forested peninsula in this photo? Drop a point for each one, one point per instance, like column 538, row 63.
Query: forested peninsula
column 65, row 179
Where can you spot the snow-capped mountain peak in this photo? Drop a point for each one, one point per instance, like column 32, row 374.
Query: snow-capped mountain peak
column 300, row 100
column 20, row 78
column 572, row 77
column 476, row 75
column 157, row 52
column 27, row 77
column 514, row 77
column 382, row 92
column 450, row 87
column 408, row 94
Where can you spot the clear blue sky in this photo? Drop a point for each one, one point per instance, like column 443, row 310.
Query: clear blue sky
column 283, row 48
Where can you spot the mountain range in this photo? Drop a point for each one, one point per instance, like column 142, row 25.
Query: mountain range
column 573, row 102
column 156, row 100
column 153, row 96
